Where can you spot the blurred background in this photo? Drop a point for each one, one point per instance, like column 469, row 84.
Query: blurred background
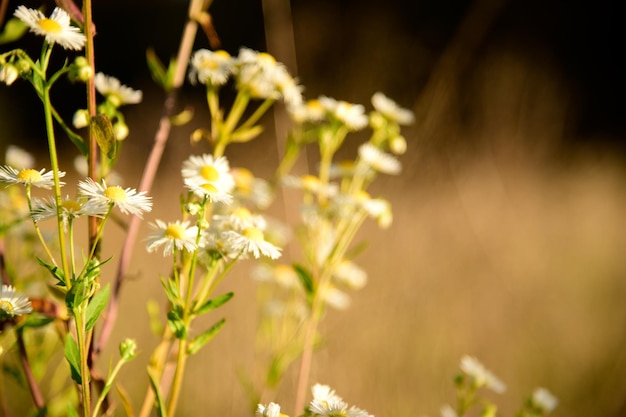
column 508, row 236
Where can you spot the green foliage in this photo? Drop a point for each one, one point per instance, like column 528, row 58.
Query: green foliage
column 102, row 129
column 214, row 303
column 73, row 358
column 205, row 337
column 96, row 306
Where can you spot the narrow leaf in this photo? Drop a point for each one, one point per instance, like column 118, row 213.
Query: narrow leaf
column 96, row 305
column 156, row 67
column 305, row 278
column 73, row 358
column 160, row 401
column 55, row 271
column 246, row 135
column 214, row 303
column 205, row 337
column 176, row 325
column 125, row 400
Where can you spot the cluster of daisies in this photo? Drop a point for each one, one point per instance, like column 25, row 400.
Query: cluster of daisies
column 257, row 73
column 232, row 230
column 325, row 403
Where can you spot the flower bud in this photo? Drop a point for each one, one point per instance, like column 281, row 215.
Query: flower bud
column 8, row 74
column 81, row 119
column 397, row 145
column 120, row 130
column 128, row 349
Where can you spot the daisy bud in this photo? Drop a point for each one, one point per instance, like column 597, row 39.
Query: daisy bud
column 128, row 349
column 8, row 74
column 120, row 130
column 397, row 145
column 81, row 119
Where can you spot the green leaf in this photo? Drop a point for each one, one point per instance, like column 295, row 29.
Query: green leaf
column 154, row 314
column 102, row 129
column 305, row 279
column 76, row 295
column 160, row 401
column 96, row 305
column 156, row 68
column 73, row 358
column 246, row 135
column 205, row 337
column 214, row 303
column 42, row 412
column 33, row 320
column 55, row 271
column 14, row 29
column 171, row 290
column 176, row 325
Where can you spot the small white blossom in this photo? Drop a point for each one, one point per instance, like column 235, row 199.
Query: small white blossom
column 251, row 241
column 174, row 235
column 115, row 92
column 391, row 110
column 480, row 375
column 18, row 157
column 46, row 208
column 39, row 179
column 128, row 200
column 13, row 303
column 543, row 399
column 379, row 160
column 8, row 74
column 210, row 177
column 351, row 275
column 210, row 67
column 271, row 410
column 56, row 28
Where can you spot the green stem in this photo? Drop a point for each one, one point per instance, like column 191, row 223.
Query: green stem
column 83, row 352
column 107, row 386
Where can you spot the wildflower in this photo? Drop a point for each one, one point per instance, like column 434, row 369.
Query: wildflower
column 379, row 160
column 351, row 115
column 544, row 400
column 250, row 188
column 211, row 68
column 312, row 111
column 209, row 177
column 115, row 92
column 241, row 218
column 18, row 157
column 251, row 241
column 327, row 403
column 128, row 200
column 336, row 298
column 324, row 393
column 29, row 176
column 271, row 410
column 120, row 130
column 56, row 28
column 480, row 375
column 46, row 208
column 81, row 118
column 13, row 303
column 379, row 209
column 174, row 235
column 391, row 110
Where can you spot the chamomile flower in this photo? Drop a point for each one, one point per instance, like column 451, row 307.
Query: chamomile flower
column 13, row 303
column 128, row 200
column 46, row 208
column 211, row 67
column 210, row 177
column 351, row 115
column 173, row 235
column 115, row 92
column 391, row 110
column 249, row 188
column 240, row 218
column 251, row 241
column 310, row 112
column 29, row 176
column 56, row 28
column 481, row 377
column 379, row 160
column 271, row 410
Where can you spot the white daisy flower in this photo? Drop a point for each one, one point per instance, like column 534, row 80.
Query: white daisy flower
column 208, row 176
column 377, row 208
column 271, row 410
column 310, row 112
column 13, row 303
column 18, row 157
column 56, row 28
column 172, row 235
column 251, row 241
column 480, row 375
column 128, row 200
column 329, row 407
column 544, row 400
column 46, row 208
column 40, row 179
column 324, row 393
column 391, row 110
column 351, row 115
column 379, row 160
column 211, row 67
column 115, row 92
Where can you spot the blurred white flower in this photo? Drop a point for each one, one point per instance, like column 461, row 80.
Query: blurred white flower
column 391, row 110
column 13, row 303
column 115, row 92
column 480, row 375
column 210, row 67
column 544, row 400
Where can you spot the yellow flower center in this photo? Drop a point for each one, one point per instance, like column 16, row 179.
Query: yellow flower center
column 253, row 233
column 243, row 179
column 266, row 58
column 7, row 307
column 174, row 231
column 209, row 173
column 242, row 213
column 50, row 26
column 115, row 194
column 310, row 182
column 209, row 188
column 71, row 205
column 29, row 176
column 222, row 54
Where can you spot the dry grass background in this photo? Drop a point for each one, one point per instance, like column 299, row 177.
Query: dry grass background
column 505, row 244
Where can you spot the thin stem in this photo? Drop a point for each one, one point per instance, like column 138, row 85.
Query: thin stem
column 34, row 389
column 107, row 386
column 83, row 352
column 149, row 173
